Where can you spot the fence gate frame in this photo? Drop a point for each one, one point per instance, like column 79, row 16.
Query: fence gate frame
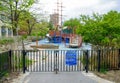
column 57, row 63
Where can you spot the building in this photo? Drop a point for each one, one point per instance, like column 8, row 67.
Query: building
column 54, row 19
column 5, row 27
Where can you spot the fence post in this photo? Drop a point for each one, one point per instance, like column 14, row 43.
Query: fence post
column 24, row 53
column 119, row 60
column 87, row 61
column 10, row 61
column 99, row 60
column 55, row 66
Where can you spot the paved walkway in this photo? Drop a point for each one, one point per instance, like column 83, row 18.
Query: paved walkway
column 62, row 77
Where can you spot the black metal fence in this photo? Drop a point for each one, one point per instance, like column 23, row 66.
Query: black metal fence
column 55, row 60
column 4, row 63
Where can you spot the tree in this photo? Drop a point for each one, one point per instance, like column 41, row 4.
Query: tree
column 72, row 23
column 27, row 22
column 101, row 30
column 13, row 8
column 41, row 28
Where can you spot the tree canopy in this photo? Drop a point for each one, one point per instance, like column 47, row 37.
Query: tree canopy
column 100, row 30
column 13, row 8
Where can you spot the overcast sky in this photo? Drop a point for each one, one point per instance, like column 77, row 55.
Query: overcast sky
column 73, row 8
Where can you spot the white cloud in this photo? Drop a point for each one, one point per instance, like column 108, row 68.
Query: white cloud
column 73, row 8
column 104, row 7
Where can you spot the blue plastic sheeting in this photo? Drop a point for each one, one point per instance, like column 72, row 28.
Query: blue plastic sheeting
column 71, row 57
column 56, row 39
column 67, row 40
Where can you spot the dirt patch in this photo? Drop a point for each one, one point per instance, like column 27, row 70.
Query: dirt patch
column 110, row 75
column 9, row 78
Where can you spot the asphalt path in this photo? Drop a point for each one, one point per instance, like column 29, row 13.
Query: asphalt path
column 61, row 77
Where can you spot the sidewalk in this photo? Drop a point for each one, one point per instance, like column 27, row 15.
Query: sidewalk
column 61, row 77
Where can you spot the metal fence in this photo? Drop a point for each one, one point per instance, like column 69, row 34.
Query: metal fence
column 4, row 63
column 59, row 60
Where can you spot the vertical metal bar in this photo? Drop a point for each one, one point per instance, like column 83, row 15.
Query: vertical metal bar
column 64, row 68
column 77, row 60
column 20, row 59
column 39, row 60
column 93, row 56
column 35, row 66
column 29, row 61
column 48, row 60
column 106, row 59
column 10, row 63
column 44, row 61
column 110, row 55
column 87, row 61
column 24, row 53
column 13, row 61
column 56, row 69
column 0, row 62
column 91, row 60
column 99, row 60
column 51, row 60
column 61, row 59
column 119, row 59
column 34, row 53
column 31, row 56
column 110, row 59
column 17, row 61
column 58, row 60
column 115, row 60
column 102, row 58
column 80, row 59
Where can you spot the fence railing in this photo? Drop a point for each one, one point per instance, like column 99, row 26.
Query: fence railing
column 48, row 60
column 4, row 63
column 104, row 59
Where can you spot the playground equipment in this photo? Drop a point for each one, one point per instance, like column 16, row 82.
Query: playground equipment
column 73, row 40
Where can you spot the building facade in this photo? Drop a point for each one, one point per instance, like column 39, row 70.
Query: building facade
column 54, row 19
column 5, row 27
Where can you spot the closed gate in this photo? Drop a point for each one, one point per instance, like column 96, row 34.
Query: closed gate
column 59, row 60
column 54, row 60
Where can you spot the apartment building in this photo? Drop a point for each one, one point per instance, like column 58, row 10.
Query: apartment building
column 5, row 27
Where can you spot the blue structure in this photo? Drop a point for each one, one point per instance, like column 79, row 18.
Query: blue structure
column 67, row 40
column 57, row 39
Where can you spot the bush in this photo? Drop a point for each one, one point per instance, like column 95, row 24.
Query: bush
column 5, row 41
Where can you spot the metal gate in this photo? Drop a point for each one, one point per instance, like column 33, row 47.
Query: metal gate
column 59, row 60
column 52, row 60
